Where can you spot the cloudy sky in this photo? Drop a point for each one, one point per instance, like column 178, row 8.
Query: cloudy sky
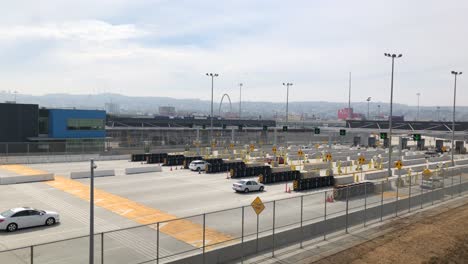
column 164, row 48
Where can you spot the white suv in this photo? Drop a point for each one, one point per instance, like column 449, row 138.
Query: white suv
column 198, row 165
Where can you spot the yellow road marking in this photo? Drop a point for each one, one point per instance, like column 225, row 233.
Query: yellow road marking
column 183, row 229
column 22, row 170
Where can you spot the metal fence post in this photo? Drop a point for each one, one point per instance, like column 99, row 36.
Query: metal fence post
column 381, row 201
column 273, row 235
column 102, row 247
column 325, row 217
column 409, row 197
column 157, row 243
column 257, row 234
column 421, row 191
column 451, row 187
column 242, row 236
column 31, row 253
column 365, row 203
column 302, row 213
column 459, row 185
column 432, row 193
column 396, row 198
column 204, row 236
column 347, row 202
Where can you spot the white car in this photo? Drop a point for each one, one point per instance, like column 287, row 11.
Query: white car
column 248, row 186
column 198, row 165
column 13, row 219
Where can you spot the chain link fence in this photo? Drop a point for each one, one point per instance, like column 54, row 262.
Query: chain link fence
column 236, row 233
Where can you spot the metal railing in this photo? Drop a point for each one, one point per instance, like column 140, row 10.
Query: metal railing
column 283, row 222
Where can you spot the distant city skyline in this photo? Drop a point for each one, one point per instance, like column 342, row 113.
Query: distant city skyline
column 164, row 48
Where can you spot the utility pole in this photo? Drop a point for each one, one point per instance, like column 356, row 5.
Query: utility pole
column 453, row 119
column 287, row 100
column 368, row 102
column 212, row 75
column 393, row 56
column 417, row 116
column 240, row 99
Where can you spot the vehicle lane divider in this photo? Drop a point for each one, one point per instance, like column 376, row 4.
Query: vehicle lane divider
column 183, row 229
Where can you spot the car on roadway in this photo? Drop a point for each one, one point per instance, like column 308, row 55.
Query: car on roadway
column 433, row 183
column 198, row 165
column 248, row 186
column 22, row 217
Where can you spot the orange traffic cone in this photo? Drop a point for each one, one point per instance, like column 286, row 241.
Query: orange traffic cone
column 289, row 189
column 286, row 188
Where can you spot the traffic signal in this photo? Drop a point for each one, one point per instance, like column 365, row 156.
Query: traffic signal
column 265, row 128
column 204, row 126
column 190, row 125
column 316, row 130
column 416, row 137
column 224, row 126
column 285, row 128
column 240, row 127
column 383, row 135
column 342, row 132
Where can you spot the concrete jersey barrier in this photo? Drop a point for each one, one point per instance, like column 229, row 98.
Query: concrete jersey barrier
column 87, row 174
column 26, row 178
column 146, row 169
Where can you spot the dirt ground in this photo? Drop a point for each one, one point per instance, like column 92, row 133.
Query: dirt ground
column 442, row 238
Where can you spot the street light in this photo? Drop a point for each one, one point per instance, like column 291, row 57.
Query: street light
column 453, row 120
column 212, row 75
column 91, row 212
column 240, row 99
column 438, row 113
column 287, row 99
column 378, row 111
column 417, row 116
column 393, row 56
column 368, row 101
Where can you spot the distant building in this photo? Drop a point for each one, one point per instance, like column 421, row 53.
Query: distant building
column 167, row 111
column 112, row 108
column 348, row 113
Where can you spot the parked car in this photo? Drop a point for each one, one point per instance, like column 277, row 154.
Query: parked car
column 198, row 165
column 280, row 160
column 16, row 218
column 433, row 183
column 248, row 186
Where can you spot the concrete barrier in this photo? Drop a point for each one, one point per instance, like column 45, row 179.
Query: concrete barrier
column 414, row 156
column 418, row 168
column 461, row 162
column 374, row 175
column 315, row 166
column 414, row 162
column 87, row 174
column 26, row 178
column 436, row 159
column 343, row 180
column 146, row 169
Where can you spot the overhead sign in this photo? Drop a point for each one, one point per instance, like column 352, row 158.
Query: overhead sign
column 258, row 205
column 361, row 160
column 383, row 135
column 398, row 164
column 316, row 130
column 342, row 132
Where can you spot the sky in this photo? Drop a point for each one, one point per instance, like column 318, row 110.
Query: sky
column 165, row 48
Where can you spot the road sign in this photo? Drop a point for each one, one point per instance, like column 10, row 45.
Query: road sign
column 444, row 149
column 328, row 156
column 231, row 145
column 362, row 160
column 342, row 132
column 383, row 135
column 300, row 153
column 398, row 164
column 427, row 172
column 213, row 145
column 258, row 205
column 416, row 137
column 252, row 147
column 274, row 149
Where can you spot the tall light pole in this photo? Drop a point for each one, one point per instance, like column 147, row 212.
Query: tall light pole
column 212, row 75
column 393, row 56
column 287, row 100
column 453, row 119
column 240, row 99
column 349, row 94
column 368, row 102
column 417, row 116
column 438, row 113
column 91, row 213
column 378, row 111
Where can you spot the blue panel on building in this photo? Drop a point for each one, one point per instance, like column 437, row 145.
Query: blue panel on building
column 70, row 123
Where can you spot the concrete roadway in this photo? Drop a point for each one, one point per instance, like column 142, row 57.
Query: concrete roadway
column 177, row 193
